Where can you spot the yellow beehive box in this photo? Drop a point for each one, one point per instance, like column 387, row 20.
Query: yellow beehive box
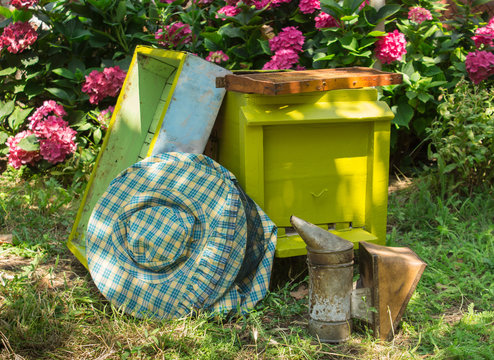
column 298, row 147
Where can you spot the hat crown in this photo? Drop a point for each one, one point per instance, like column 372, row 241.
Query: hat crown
column 152, row 233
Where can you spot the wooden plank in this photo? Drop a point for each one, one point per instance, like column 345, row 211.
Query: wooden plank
column 294, row 82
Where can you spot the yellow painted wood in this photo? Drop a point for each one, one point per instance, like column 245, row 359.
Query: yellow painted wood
column 321, row 156
column 293, row 245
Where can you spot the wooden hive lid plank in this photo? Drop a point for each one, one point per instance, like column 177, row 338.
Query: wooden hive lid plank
column 294, row 82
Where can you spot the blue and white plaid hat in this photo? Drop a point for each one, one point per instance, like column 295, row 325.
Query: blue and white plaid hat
column 175, row 233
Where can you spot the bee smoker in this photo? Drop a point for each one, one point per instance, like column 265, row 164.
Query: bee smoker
column 388, row 278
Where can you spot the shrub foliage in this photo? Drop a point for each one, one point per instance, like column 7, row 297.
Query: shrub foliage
column 65, row 50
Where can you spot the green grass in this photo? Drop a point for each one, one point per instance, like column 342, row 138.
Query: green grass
column 50, row 309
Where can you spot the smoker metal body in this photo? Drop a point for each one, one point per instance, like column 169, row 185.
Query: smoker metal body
column 389, row 277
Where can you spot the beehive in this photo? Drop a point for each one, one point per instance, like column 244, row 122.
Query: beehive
column 314, row 144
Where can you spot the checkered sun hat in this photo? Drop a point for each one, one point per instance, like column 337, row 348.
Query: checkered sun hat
column 175, row 233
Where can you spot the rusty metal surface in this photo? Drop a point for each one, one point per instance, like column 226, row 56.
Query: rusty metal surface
column 362, row 304
column 294, row 82
column 330, row 260
column 327, row 332
column 392, row 274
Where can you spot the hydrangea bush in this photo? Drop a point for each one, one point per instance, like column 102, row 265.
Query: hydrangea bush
column 72, row 55
column 62, row 65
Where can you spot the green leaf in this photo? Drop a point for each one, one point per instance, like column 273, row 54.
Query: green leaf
column 6, row 109
column 66, row 73
column 321, row 57
column 349, row 17
column 18, row 116
column 8, row 71
column 403, row 114
column 432, row 70
column 21, row 16
column 29, row 143
column 333, row 8
column 81, row 35
column 415, row 77
column 100, row 4
column 386, row 11
column 408, row 69
column 6, row 13
column 436, row 84
column 213, row 37
column 153, row 11
column 240, row 52
column 299, row 18
column 366, row 42
column 265, row 46
column 448, row 168
column 210, row 45
column 97, row 135
column 349, row 42
column 352, row 5
column 377, row 33
column 431, row 31
column 231, row 32
column 29, row 60
column 480, row 2
column 77, row 117
column 365, row 54
column 33, row 89
column 18, row 88
column 3, row 137
column 121, row 11
column 60, row 93
column 424, row 97
column 84, row 126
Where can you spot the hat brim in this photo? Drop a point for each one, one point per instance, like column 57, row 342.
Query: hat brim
column 175, row 233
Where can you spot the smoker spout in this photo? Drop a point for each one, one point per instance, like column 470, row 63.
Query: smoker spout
column 317, row 238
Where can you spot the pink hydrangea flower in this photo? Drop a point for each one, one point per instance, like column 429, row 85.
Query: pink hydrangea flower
column 260, row 4
column 282, row 59
column 104, row 117
column 167, row 1
column 288, row 38
column 56, row 138
column 324, row 20
column 419, row 15
column 49, row 126
column 276, row 3
column 391, row 47
column 17, row 156
column 23, row 4
column 17, row 37
column 102, row 84
column 480, row 65
column 48, row 107
column 484, row 35
column 309, row 6
column 364, row 4
column 174, row 35
column 217, row 57
column 59, row 145
column 228, row 10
